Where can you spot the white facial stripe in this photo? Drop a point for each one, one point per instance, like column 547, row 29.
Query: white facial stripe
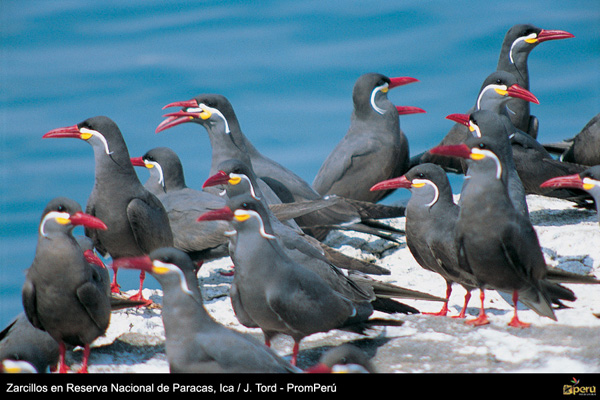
column 476, row 131
column 374, row 93
column 254, row 214
column 590, row 181
column 521, row 39
column 161, row 177
column 203, row 107
column 488, row 153
column 99, row 136
column 485, row 89
column 52, row 215
column 177, row 270
column 436, row 195
column 245, row 178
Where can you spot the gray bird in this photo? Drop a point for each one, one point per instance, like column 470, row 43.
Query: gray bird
column 518, row 43
column 374, row 147
column 281, row 296
column 237, row 178
column 215, row 113
column 582, row 148
column 494, row 94
column 588, row 180
column 201, row 241
column 195, row 342
column 495, row 242
column 21, row 341
column 63, row 294
column 137, row 221
column 431, row 216
column 343, row 359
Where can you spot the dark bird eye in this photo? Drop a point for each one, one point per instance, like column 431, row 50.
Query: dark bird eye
column 421, row 175
column 481, row 145
column 498, row 81
column 61, row 208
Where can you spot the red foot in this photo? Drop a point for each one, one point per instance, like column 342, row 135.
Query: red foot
column 115, row 288
column 516, row 323
column 442, row 313
column 480, row 320
column 230, row 273
column 463, row 312
column 140, row 297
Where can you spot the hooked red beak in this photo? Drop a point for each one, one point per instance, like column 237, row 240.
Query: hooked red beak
column 222, row 214
column 404, row 110
column 568, row 181
column 177, row 118
column 64, row 132
column 395, row 183
column 220, row 178
column 143, row 263
column 80, row 218
column 460, row 118
column 400, row 81
column 522, row 93
column 138, row 162
column 549, row 34
column 457, row 150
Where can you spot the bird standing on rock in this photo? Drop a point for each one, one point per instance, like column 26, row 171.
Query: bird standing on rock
column 431, row 216
column 373, row 149
column 63, row 294
column 137, row 221
column 195, row 342
column 494, row 241
column 281, row 296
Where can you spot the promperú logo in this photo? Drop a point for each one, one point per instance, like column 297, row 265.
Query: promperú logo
column 578, row 390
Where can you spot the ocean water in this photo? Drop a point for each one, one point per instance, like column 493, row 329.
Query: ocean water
column 288, row 68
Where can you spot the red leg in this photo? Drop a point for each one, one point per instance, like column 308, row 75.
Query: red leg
column 86, row 356
column 62, row 366
column 444, row 311
column 482, row 318
column 515, row 322
column 463, row 312
column 139, row 295
column 114, row 286
column 295, row 351
column 267, row 342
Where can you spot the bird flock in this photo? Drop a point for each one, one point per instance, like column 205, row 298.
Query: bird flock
column 273, row 226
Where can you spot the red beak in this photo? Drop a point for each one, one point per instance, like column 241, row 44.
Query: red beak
column 395, row 183
column 65, row 132
column 87, row 220
column 522, row 93
column 404, row 110
column 547, row 34
column 460, row 118
column 457, row 150
column 138, row 162
column 568, row 181
column 143, row 263
column 92, row 258
column 400, row 81
column 222, row 214
column 220, row 178
column 182, row 104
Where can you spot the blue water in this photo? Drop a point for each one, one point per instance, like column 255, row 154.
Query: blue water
column 288, row 68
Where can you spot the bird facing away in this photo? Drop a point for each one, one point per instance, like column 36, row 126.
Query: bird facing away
column 518, row 43
column 63, row 294
column 215, row 113
column 195, row 342
column 280, row 296
column 588, row 180
column 137, row 221
column 431, row 216
column 494, row 241
column 583, row 148
column 374, row 147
